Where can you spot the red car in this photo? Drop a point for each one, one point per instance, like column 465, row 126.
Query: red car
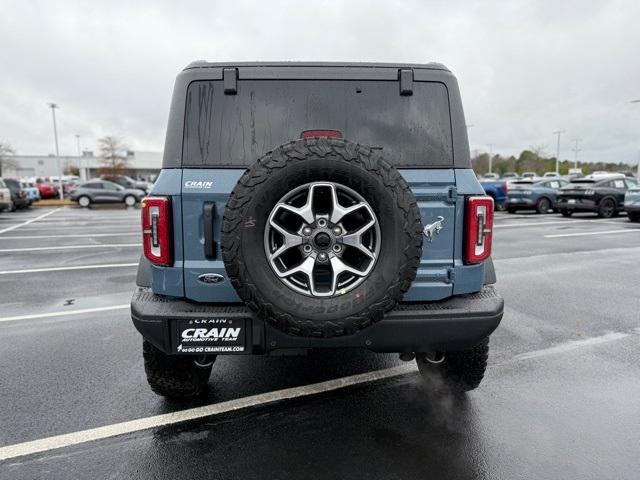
column 46, row 189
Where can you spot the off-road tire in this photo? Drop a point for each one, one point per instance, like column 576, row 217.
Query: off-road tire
column 174, row 376
column 460, row 371
column 566, row 213
column 543, row 206
column 297, row 163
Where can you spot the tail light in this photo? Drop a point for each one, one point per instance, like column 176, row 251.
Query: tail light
column 505, row 187
column 478, row 227
column 156, row 230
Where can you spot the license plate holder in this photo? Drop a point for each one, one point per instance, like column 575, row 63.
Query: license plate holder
column 210, row 336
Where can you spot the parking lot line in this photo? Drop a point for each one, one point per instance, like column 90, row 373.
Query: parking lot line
column 583, row 234
column 131, row 426
column 108, row 431
column 73, row 235
column 70, row 247
column 61, row 269
column 543, row 222
column 64, row 313
column 8, row 229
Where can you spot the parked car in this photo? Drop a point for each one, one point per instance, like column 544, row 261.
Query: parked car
column 46, row 189
column 594, row 193
column 538, row 195
column 530, row 175
column 550, row 175
column 32, row 191
column 127, row 182
column 102, row 191
column 496, row 189
column 510, row 176
column 18, row 194
column 490, row 176
column 5, row 197
column 314, row 236
column 632, row 203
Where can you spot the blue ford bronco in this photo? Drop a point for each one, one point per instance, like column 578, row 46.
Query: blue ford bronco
column 311, row 206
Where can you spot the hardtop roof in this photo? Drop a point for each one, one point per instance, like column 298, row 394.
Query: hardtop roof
column 267, row 64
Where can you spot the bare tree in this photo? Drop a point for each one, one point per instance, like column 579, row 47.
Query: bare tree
column 5, row 157
column 114, row 155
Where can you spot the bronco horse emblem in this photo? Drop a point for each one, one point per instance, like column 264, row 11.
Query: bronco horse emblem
column 433, row 228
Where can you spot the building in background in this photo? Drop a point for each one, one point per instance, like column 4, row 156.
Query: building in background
column 143, row 165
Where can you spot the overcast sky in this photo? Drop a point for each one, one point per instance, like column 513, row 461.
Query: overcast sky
column 526, row 68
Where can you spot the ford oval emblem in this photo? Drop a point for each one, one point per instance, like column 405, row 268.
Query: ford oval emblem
column 211, row 278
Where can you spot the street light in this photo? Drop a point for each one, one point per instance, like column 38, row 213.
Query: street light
column 575, row 151
column 637, row 100
column 490, row 145
column 558, row 133
column 53, row 107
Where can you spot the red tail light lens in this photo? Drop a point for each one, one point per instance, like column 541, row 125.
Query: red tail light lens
column 321, row 133
column 478, row 229
column 156, row 230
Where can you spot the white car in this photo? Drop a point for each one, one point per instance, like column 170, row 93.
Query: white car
column 550, row 175
column 5, row 197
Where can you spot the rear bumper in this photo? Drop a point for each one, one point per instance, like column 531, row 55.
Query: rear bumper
column 581, row 204
column 457, row 323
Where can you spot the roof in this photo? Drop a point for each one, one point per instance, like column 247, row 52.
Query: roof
column 205, row 64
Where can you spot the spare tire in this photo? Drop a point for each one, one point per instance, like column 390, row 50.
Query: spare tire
column 321, row 236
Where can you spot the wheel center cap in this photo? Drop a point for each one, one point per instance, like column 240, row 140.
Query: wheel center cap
column 322, row 240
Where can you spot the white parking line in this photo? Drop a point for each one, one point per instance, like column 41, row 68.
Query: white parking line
column 70, row 247
column 75, row 438
column 61, row 269
column 583, row 234
column 64, row 314
column 535, row 224
column 8, row 229
column 73, row 235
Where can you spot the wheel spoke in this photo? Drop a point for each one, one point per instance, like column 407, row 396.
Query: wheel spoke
column 338, row 267
column 338, row 212
column 305, row 267
column 290, row 240
column 355, row 239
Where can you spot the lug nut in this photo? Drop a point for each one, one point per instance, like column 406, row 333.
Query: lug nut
column 322, row 222
column 306, row 231
column 337, row 248
column 337, row 231
column 307, row 248
column 322, row 257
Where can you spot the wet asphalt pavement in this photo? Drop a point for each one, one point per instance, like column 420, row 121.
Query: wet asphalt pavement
column 560, row 398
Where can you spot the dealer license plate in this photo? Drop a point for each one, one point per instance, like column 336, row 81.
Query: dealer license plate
column 210, row 336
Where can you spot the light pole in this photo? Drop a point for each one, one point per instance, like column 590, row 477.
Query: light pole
column 558, row 133
column 638, row 172
column 53, row 107
column 575, row 151
column 83, row 175
column 490, row 157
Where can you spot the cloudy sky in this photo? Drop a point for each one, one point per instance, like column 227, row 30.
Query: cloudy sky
column 526, row 68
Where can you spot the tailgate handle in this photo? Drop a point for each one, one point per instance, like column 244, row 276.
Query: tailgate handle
column 210, row 247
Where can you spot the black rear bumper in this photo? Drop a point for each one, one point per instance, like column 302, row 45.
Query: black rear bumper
column 457, row 323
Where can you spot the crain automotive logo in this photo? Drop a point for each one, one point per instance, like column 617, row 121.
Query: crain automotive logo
column 197, row 184
column 224, row 334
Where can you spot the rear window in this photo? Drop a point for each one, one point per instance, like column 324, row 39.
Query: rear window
column 235, row 130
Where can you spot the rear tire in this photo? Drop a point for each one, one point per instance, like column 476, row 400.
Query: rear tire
column 174, row 376
column 607, row 208
column 460, row 371
column 634, row 216
column 84, row 201
column 543, row 206
column 566, row 213
column 130, row 200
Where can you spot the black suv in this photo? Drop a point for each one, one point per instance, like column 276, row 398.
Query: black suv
column 18, row 194
column 601, row 194
column 312, row 205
